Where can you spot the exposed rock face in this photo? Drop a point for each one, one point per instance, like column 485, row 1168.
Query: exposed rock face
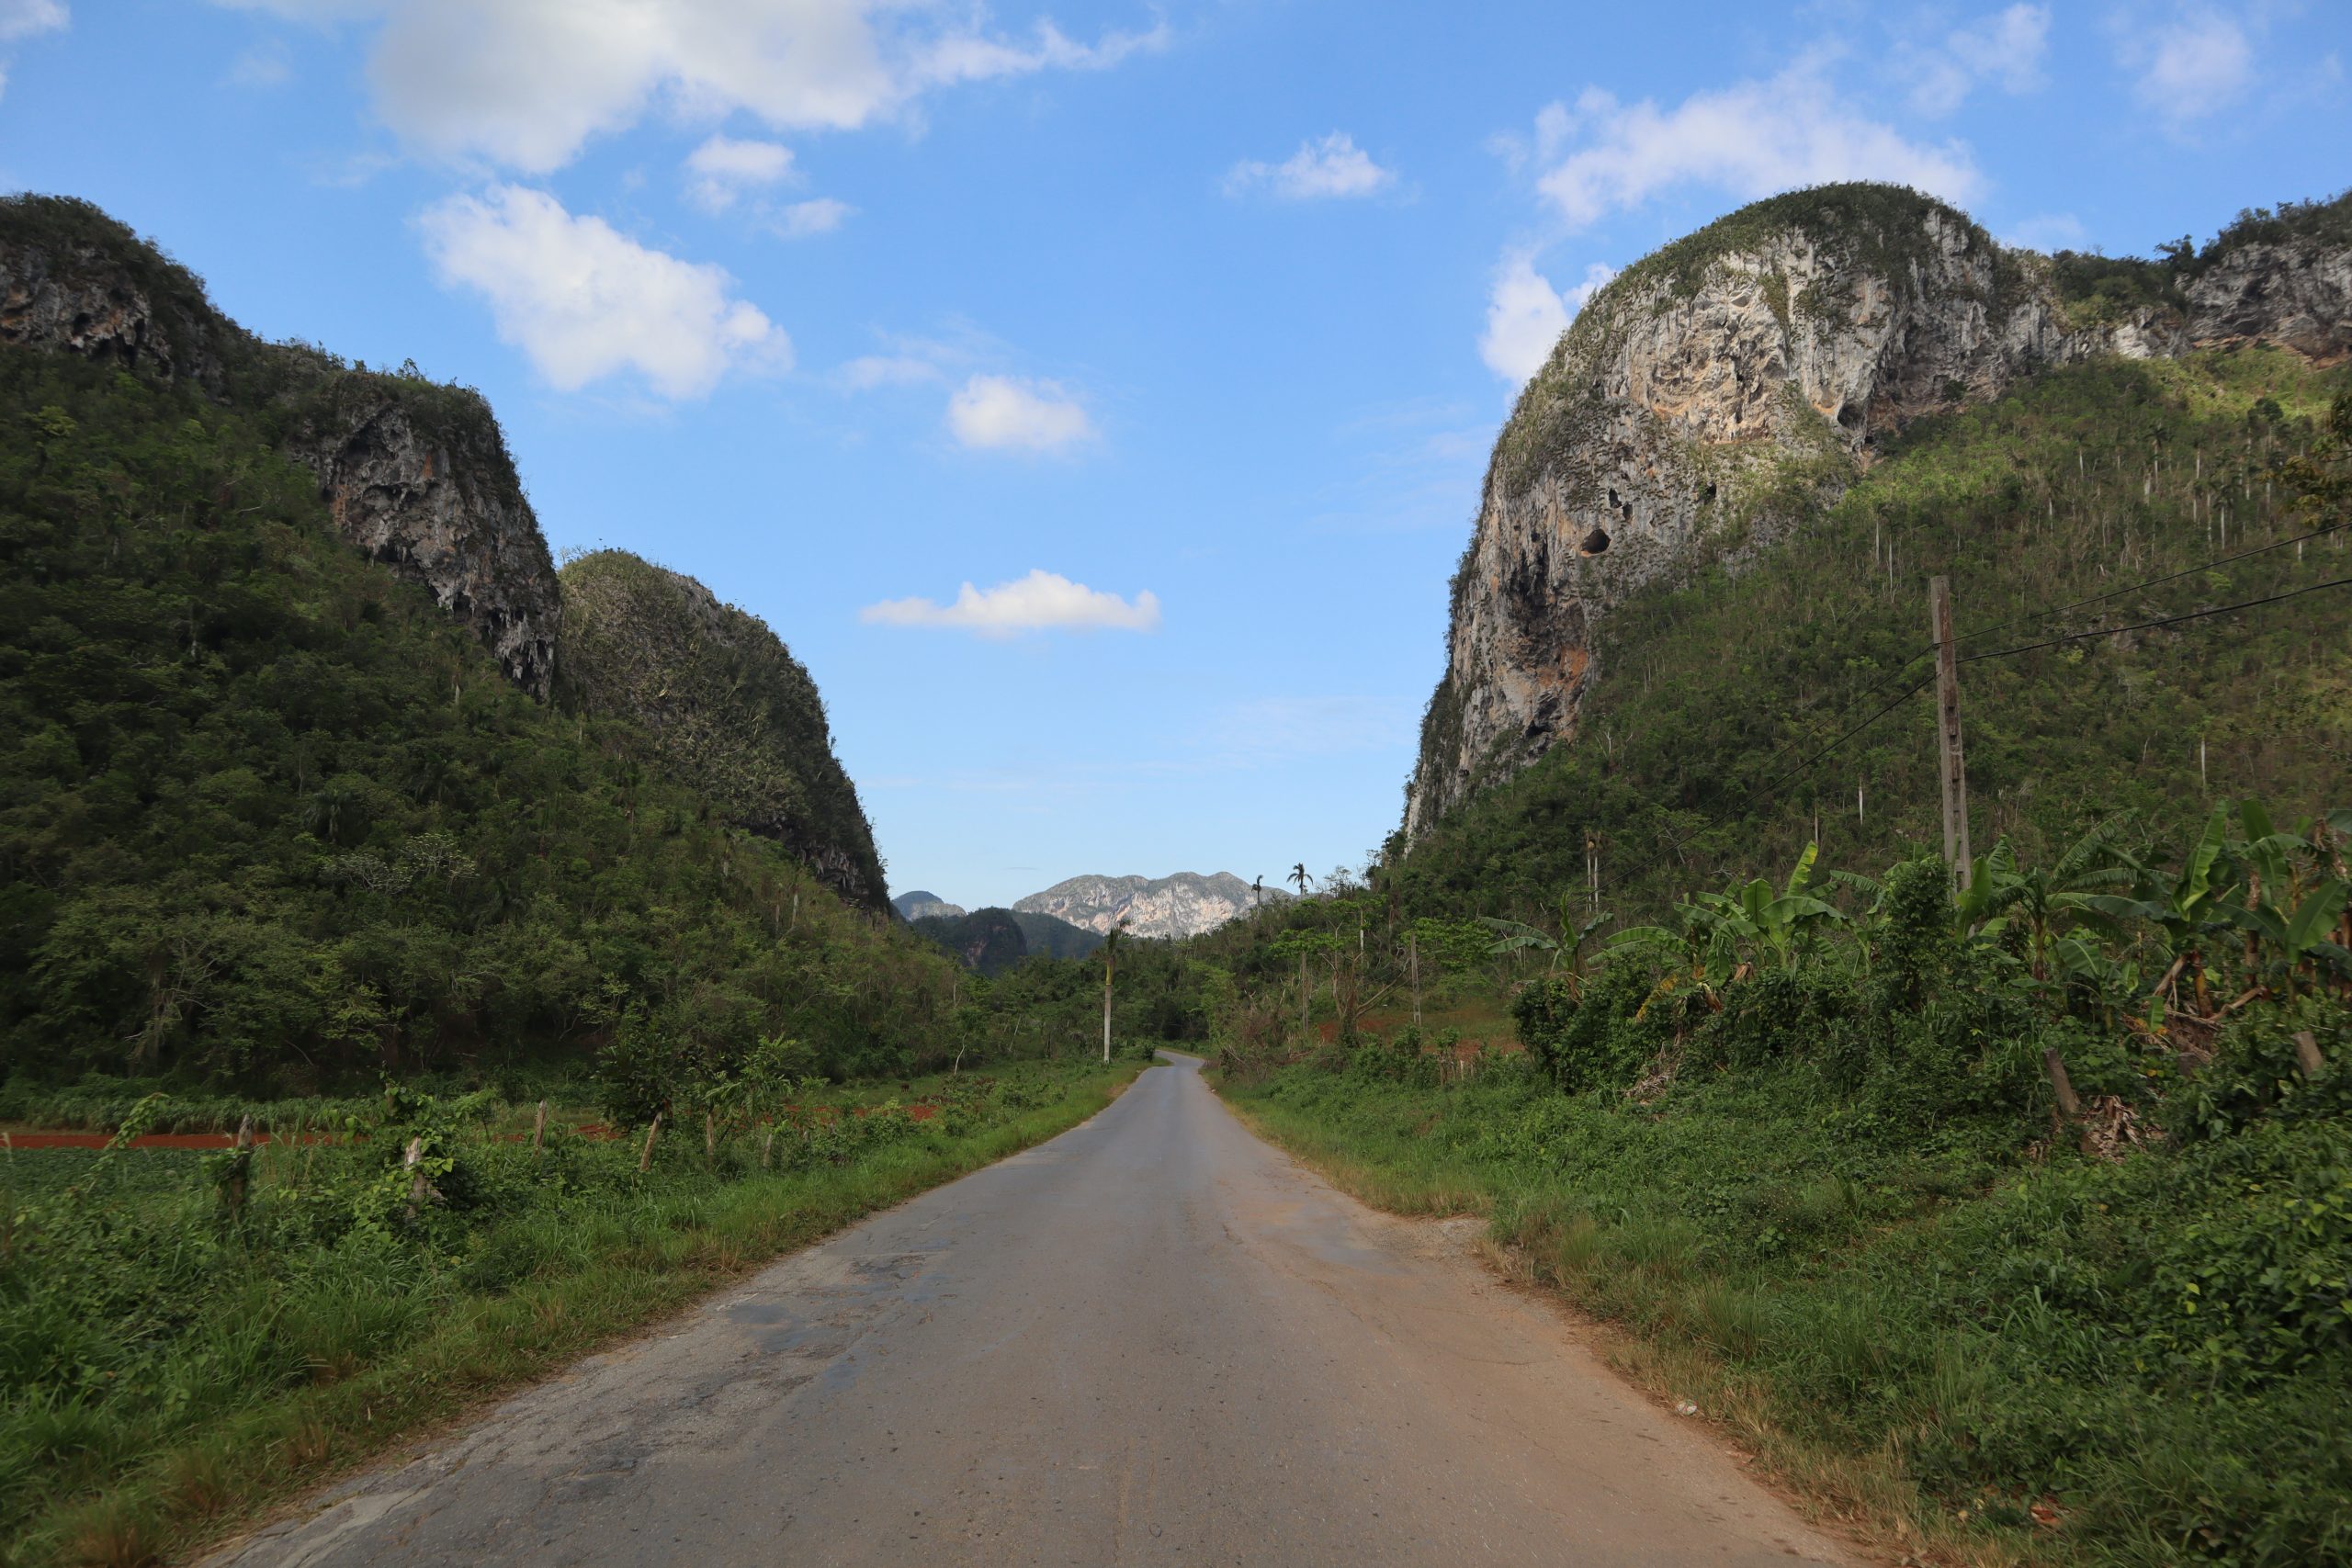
column 921, row 905
column 2296, row 293
column 730, row 711
column 418, row 477
column 1718, row 392
column 415, row 474
column 1184, row 904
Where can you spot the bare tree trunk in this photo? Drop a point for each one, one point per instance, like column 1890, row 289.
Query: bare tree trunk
column 1107, row 966
column 1413, row 959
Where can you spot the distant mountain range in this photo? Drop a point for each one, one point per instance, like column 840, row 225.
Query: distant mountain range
column 920, row 905
column 1070, row 919
column 1184, row 904
column 992, row 940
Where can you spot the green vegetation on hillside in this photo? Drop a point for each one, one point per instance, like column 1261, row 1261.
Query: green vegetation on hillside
column 729, row 711
column 2106, row 288
column 2036, row 1199
column 1713, row 689
column 186, row 1338
column 2019, row 1215
column 267, row 815
column 992, row 940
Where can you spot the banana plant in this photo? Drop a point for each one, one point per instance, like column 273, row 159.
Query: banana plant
column 2194, row 904
column 1514, row 936
column 2301, row 932
column 1759, row 921
column 2045, row 901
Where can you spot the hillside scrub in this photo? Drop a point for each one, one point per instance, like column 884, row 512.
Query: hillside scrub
column 268, row 818
column 1716, row 688
column 186, row 1338
column 2034, row 1197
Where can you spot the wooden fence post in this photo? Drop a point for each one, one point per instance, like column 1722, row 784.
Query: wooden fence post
column 645, row 1160
column 539, row 1130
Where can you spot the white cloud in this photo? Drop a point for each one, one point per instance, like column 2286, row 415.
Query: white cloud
column 868, row 371
column 1034, row 416
column 2050, row 231
column 526, row 83
column 723, row 168
column 1750, row 139
column 1525, row 315
column 2195, row 65
column 1043, row 601
column 802, row 218
column 2006, row 48
column 263, row 66
column 584, row 301
column 1334, row 167
column 27, row 19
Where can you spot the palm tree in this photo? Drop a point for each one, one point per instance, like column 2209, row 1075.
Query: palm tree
column 1110, row 962
column 1298, row 875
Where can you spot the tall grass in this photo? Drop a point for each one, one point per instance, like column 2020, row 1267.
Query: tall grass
column 168, row 1368
column 1983, row 1350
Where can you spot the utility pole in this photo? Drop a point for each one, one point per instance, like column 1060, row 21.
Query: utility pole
column 1951, row 768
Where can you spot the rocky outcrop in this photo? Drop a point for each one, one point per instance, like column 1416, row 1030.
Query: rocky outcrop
column 1722, row 389
column 1179, row 906
column 729, row 711
column 415, row 474
column 2294, row 292
column 919, row 905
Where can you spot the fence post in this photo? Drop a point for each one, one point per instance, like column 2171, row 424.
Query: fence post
column 539, row 1130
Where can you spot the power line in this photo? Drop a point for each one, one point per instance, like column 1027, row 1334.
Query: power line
column 2152, row 582
column 1772, row 788
column 2162, row 621
column 1898, row 671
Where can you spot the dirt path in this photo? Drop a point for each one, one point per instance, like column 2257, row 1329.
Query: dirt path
column 1153, row 1339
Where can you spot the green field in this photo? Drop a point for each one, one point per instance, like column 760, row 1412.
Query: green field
column 172, row 1359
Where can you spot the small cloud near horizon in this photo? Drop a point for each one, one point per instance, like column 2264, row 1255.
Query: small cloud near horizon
column 1333, row 168
column 1043, row 601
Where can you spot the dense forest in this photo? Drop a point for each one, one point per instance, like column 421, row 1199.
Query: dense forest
column 270, row 815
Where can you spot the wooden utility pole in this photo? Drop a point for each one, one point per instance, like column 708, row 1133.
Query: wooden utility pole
column 1951, row 768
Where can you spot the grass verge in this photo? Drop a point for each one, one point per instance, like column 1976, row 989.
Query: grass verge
column 172, row 1376
column 1963, row 1347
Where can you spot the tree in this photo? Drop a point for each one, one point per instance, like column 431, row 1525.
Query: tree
column 1110, row 964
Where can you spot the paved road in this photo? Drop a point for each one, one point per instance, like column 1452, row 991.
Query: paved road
column 1152, row 1340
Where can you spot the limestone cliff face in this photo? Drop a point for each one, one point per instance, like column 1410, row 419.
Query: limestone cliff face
column 1184, row 904
column 2295, row 292
column 1720, row 391
column 415, row 474
column 418, row 476
column 731, row 712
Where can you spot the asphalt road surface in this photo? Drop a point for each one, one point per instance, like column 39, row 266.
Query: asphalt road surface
column 1152, row 1340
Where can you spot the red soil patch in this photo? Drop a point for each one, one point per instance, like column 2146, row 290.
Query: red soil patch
column 595, row 1131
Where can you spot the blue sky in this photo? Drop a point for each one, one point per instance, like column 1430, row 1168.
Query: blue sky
column 1094, row 397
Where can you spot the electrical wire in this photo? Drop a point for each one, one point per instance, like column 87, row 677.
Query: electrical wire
column 2152, row 582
